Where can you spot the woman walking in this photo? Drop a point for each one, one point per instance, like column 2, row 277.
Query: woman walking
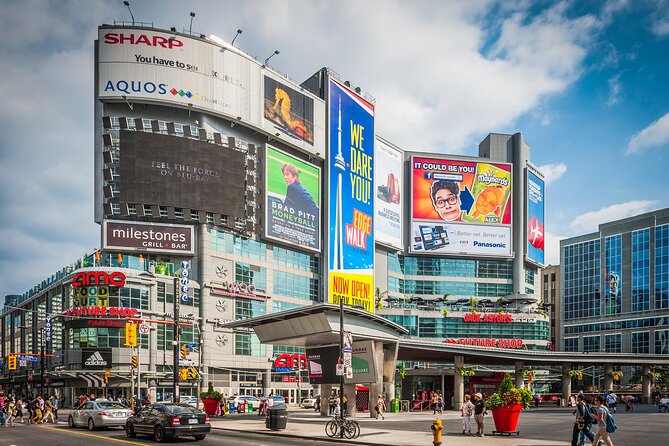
column 467, row 412
column 600, row 416
column 380, row 407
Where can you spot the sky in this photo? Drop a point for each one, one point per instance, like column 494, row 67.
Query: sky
column 584, row 81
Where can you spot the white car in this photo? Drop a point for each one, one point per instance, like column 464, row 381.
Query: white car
column 94, row 414
column 308, row 403
column 187, row 399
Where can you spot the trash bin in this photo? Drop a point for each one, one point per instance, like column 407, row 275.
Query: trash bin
column 277, row 417
column 395, row 405
column 241, row 407
column 232, row 407
column 249, row 407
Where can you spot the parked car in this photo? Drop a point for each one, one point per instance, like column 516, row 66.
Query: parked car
column 187, row 399
column 276, row 399
column 94, row 414
column 248, row 399
column 308, row 403
column 163, row 421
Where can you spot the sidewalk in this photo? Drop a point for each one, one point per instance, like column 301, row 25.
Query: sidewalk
column 401, row 429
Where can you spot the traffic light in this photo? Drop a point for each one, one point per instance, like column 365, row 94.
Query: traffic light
column 183, row 374
column 184, row 351
column 11, row 362
column 135, row 362
column 105, row 380
column 130, row 334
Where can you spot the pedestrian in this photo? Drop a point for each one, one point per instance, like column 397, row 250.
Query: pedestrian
column 2, row 410
column 380, row 407
column 440, row 404
column 11, row 412
column 48, row 412
column 582, row 422
column 37, row 411
column 479, row 413
column 56, row 405
column 466, row 413
column 600, row 416
column 19, row 410
column 435, row 403
column 344, row 404
column 336, row 407
column 537, row 398
column 317, row 404
column 612, row 401
column 331, row 402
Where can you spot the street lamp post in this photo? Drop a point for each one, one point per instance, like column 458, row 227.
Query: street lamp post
column 41, row 363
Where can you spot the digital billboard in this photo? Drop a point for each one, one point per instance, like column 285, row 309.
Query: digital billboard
column 460, row 207
column 181, row 172
column 389, row 181
column 322, row 364
column 351, row 200
column 288, row 111
column 292, row 200
column 535, row 217
column 207, row 74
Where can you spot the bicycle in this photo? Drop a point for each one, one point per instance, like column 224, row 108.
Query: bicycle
column 351, row 428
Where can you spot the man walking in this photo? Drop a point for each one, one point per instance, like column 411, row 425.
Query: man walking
column 582, row 422
column 612, row 401
column 479, row 413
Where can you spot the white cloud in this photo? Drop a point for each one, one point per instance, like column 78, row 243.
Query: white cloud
column 614, row 90
column 654, row 135
column 553, row 172
column 552, row 248
column 590, row 221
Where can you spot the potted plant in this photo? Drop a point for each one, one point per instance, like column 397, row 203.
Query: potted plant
column 210, row 399
column 617, row 375
column 506, row 405
column 445, row 312
column 466, row 371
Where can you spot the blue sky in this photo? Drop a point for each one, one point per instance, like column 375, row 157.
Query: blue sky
column 585, row 81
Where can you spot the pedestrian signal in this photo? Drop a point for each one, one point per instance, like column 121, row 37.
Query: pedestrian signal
column 135, row 362
column 11, row 362
column 184, row 351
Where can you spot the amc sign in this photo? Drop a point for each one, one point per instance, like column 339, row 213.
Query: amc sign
column 287, row 362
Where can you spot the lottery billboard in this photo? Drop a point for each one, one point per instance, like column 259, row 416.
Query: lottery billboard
column 535, row 218
column 351, row 199
column 460, row 207
column 389, row 181
column 292, row 202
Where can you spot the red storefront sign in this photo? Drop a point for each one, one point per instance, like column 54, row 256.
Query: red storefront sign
column 102, row 311
column 287, row 362
column 488, row 317
column 487, row 342
column 95, row 278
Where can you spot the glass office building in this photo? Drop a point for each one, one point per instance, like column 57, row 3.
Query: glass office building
column 615, row 285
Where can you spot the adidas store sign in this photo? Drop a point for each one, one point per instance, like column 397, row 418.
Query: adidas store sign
column 96, row 358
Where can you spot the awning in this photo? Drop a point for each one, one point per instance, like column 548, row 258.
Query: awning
column 359, row 388
column 91, row 380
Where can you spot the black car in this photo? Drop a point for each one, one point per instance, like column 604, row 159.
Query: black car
column 167, row 420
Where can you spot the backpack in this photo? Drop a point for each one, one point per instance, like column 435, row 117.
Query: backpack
column 611, row 426
column 587, row 419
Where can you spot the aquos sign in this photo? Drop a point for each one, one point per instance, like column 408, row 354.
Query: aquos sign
column 236, row 289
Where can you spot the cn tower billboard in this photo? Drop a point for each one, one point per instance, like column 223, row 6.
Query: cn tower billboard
column 351, row 198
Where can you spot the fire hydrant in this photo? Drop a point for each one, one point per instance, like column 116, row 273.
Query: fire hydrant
column 436, row 427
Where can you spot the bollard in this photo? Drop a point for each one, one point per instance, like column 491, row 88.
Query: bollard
column 436, row 427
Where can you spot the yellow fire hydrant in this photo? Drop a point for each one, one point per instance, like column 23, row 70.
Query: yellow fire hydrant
column 436, row 427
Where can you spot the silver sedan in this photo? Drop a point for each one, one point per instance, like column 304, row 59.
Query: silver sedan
column 94, row 414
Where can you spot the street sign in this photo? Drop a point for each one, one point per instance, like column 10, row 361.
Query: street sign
column 23, row 363
column 185, row 362
column 348, row 342
column 349, row 372
column 28, row 358
column 340, row 370
column 144, row 328
column 347, row 362
column 191, row 346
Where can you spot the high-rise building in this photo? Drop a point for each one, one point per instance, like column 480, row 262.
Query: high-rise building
column 550, row 296
column 615, row 288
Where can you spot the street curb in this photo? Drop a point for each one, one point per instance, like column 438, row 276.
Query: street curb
column 326, row 438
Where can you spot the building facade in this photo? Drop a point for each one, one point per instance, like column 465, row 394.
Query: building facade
column 550, row 296
column 210, row 162
column 614, row 286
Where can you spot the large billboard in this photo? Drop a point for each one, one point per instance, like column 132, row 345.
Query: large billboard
column 351, row 199
column 389, row 181
column 181, row 172
column 209, row 75
column 148, row 237
column 535, row 218
column 292, row 200
column 460, row 207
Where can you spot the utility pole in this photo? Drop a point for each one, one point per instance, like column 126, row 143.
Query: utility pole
column 175, row 342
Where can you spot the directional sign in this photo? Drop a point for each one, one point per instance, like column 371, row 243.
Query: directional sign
column 28, row 358
column 191, row 346
column 144, row 328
